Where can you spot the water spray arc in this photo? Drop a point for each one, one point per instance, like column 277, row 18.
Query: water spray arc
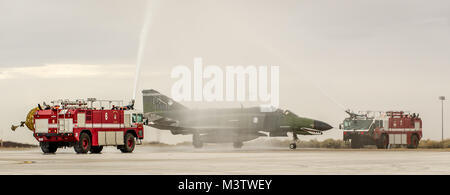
column 142, row 45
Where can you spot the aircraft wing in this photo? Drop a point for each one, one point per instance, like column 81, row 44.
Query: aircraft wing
column 175, row 129
column 164, row 123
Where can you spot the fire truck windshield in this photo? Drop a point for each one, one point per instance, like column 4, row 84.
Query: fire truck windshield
column 137, row 118
column 357, row 124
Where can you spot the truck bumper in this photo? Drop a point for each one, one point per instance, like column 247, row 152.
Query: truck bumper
column 55, row 137
column 363, row 137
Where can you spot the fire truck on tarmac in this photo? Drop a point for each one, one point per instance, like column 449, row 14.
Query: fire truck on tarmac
column 383, row 129
column 87, row 128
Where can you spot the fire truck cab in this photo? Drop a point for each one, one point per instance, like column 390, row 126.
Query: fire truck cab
column 86, row 127
column 383, row 129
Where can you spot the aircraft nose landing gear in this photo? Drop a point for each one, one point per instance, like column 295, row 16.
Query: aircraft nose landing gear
column 293, row 145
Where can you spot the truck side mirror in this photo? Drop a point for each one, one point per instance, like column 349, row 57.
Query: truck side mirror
column 340, row 126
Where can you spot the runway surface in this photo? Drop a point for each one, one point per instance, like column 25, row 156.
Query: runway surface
column 225, row 160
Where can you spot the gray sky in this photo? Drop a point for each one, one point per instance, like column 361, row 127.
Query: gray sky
column 366, row 55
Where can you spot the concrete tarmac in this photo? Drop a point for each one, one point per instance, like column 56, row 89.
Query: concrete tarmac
column 226, row 160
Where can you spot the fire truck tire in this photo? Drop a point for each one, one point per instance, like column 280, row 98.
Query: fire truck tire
column 96, row 149
column 130, row 143
column 355, row 143
column 48, row 148
column 383, row 143
column 414, row 142
column 84, row 145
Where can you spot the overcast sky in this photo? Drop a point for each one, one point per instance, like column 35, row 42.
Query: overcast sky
column 364, row 55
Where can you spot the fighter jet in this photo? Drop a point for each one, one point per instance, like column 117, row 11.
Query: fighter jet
column 227, row 125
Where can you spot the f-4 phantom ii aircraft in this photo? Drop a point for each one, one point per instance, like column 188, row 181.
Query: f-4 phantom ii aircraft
column 227, row 125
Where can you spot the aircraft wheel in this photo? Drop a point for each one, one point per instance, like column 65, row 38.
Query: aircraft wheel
column 198, row 144
column 196, row 141
column 293, row 146
column 238, row 145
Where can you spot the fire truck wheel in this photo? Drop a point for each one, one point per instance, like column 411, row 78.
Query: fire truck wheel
column 48, row 148
column 355, row 143
column 96, row 149
column 84, row 145
column 383, row 142
column 130, row 143
column 414, row 142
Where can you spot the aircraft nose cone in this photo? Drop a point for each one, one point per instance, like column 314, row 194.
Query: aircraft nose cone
column 319, row 125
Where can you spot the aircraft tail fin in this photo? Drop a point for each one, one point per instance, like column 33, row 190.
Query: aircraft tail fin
column 153, row 101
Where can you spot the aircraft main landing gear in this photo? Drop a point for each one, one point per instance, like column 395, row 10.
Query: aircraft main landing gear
column 237, row 145
column 196, row 141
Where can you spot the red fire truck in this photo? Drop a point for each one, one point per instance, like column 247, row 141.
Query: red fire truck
column 383, row 129
column 85, row 127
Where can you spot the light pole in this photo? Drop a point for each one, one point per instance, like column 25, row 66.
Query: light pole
column 442, row 98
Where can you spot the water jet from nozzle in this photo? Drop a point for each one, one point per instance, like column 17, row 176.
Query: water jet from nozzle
column 142, row 44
